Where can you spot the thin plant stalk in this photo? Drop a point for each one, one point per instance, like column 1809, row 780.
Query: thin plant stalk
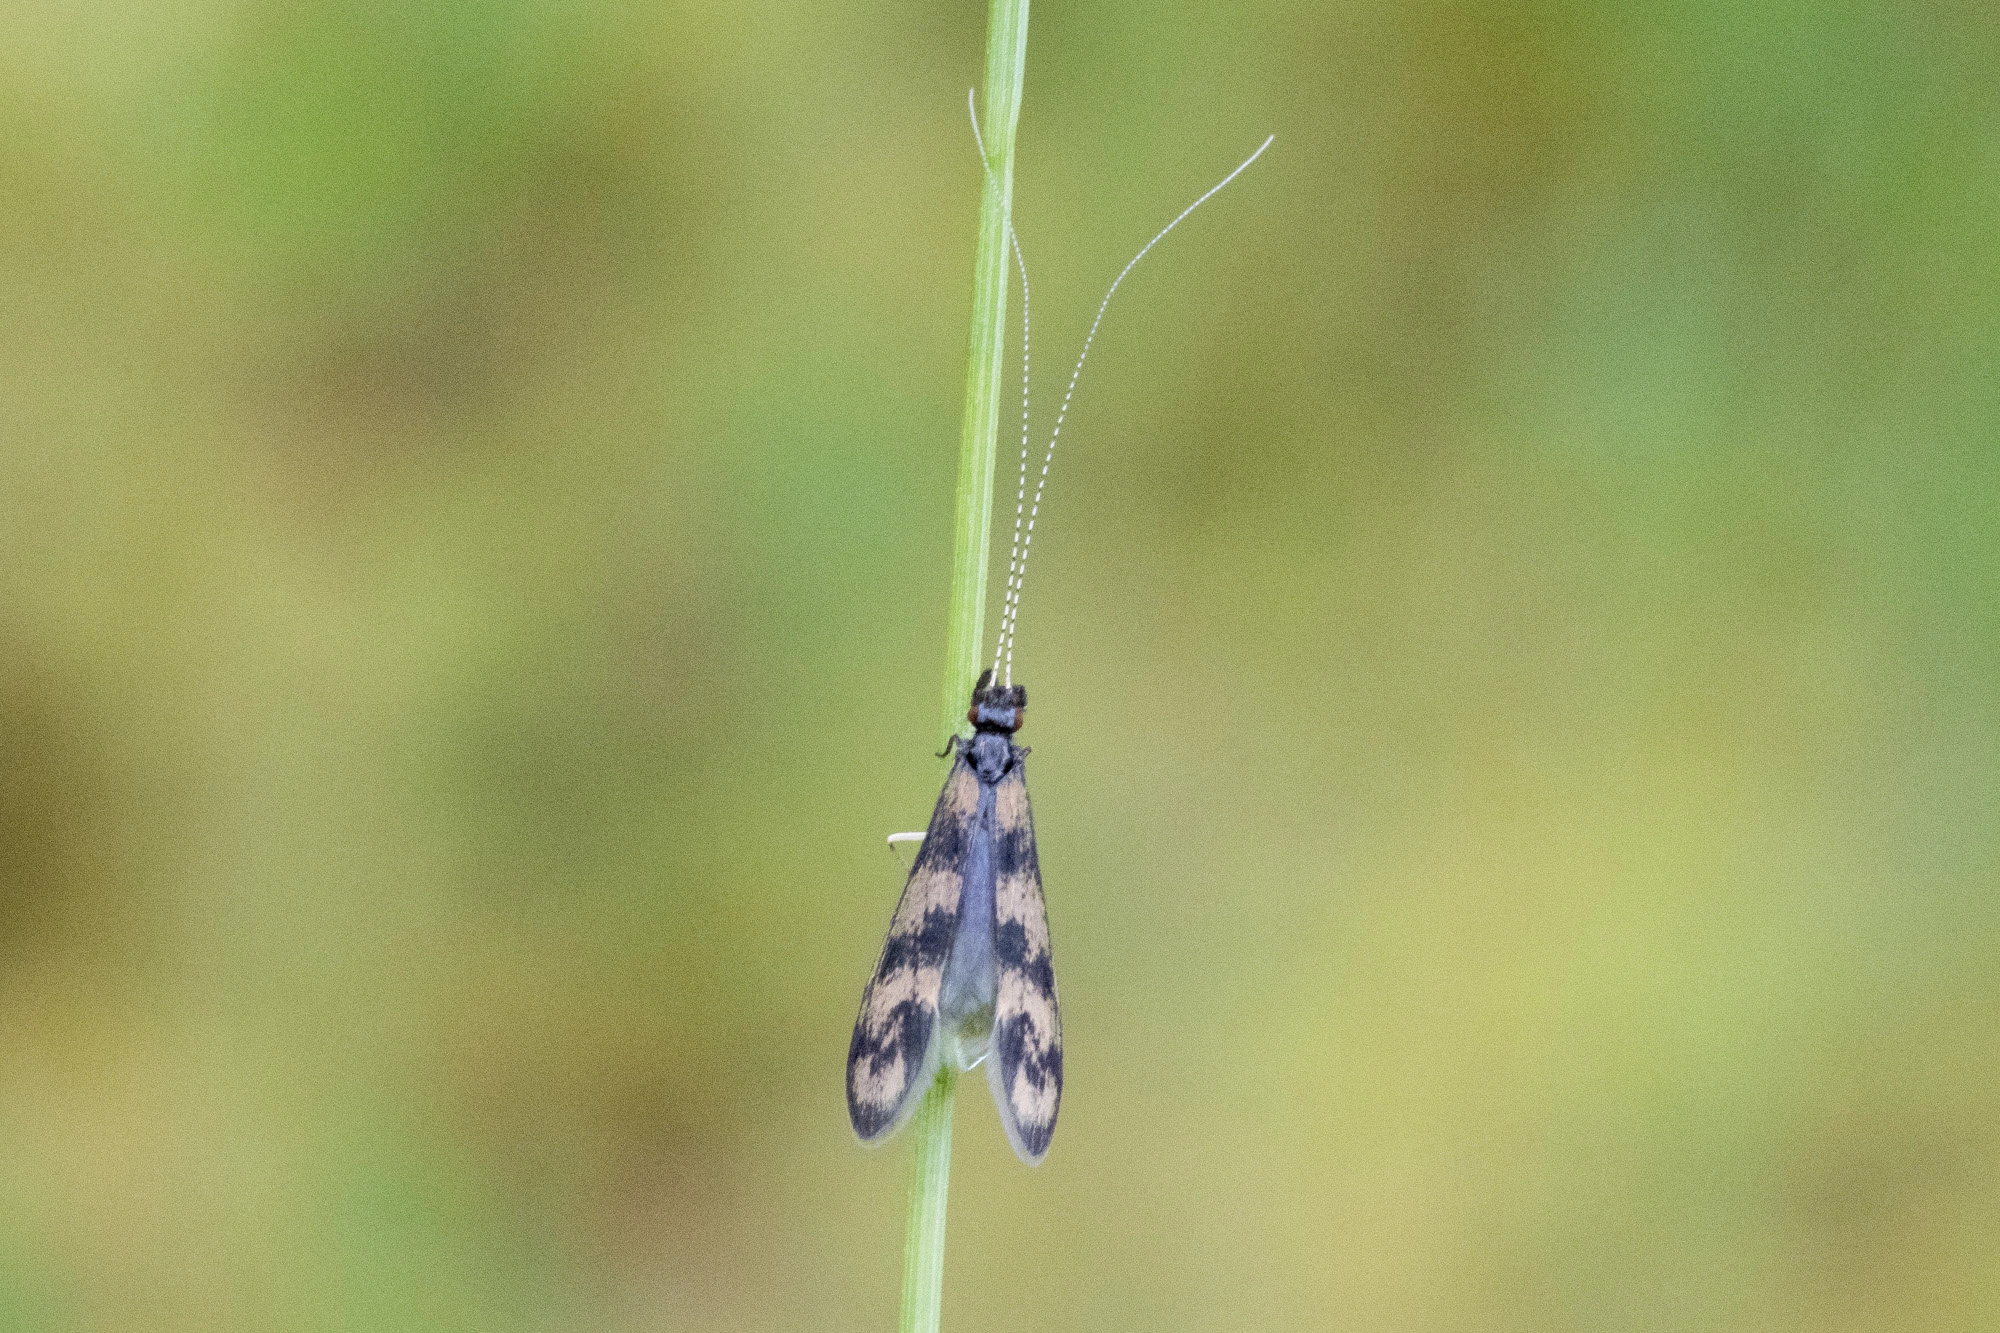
column 1006, row 62
column 1006, row 66
column 930, row 1186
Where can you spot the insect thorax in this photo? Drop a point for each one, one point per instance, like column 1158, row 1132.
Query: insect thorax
column 991, row 754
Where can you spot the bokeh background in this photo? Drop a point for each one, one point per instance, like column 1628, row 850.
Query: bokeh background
column 1513, row 648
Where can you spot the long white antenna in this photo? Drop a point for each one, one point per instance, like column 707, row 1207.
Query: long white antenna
column 1015, row 553
column 1010, row 610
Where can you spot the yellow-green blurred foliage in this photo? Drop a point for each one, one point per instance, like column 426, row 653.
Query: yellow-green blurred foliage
column 1515, row 653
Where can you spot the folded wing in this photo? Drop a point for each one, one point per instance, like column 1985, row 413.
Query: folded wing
column 894, row 1053
column 1025, row 1070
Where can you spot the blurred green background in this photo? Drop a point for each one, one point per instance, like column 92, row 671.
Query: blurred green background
column 1515, row 649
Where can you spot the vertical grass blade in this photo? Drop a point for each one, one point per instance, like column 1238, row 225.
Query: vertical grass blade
column 1006, row 66
column 1006, row 63
column 930, row 1187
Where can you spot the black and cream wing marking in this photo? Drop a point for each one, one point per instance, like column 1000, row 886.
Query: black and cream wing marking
column 1025, row 1069
column 894, row 1053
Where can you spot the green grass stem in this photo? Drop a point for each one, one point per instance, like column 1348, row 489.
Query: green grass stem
column 930, row 1187
column 1006, row 62
column 1006, row 66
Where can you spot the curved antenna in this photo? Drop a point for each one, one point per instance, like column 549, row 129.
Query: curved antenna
column 1010, row 611
column 1015, row 553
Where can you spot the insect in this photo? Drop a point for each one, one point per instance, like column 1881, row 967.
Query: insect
column 965, row 975
column 966, row 972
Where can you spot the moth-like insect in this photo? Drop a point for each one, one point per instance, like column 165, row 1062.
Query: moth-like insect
column 966, row 974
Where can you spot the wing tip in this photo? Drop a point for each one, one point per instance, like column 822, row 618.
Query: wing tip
column 875, row 1121
column 1030, row 1142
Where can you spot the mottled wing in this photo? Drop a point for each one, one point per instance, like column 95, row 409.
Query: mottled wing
column 894, row 1054
column 1026, row 1066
